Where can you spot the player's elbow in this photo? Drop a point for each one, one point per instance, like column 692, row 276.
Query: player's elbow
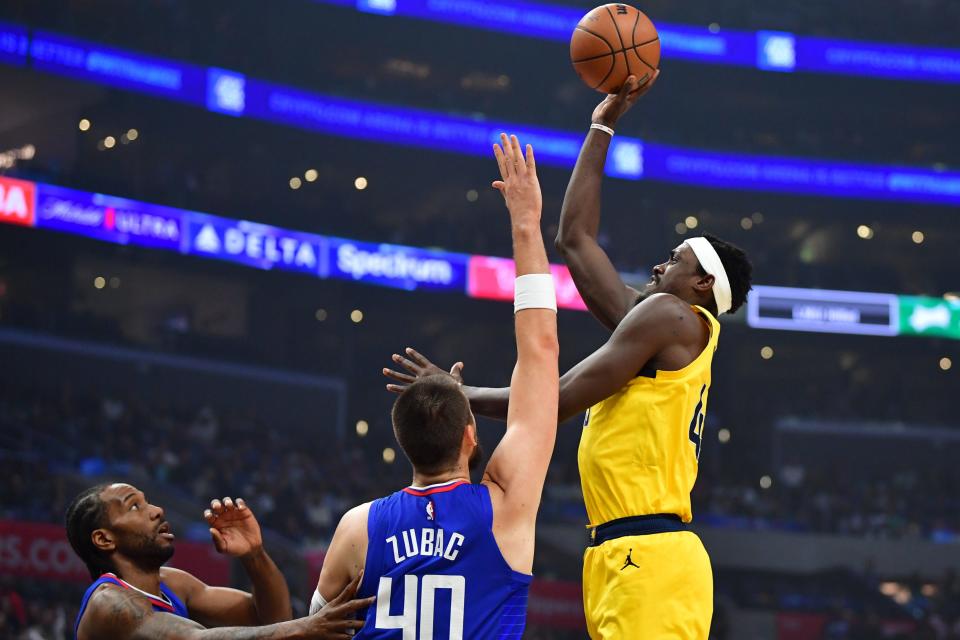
column 565, row 241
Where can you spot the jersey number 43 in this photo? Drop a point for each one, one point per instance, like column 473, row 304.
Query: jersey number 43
column 426, row 589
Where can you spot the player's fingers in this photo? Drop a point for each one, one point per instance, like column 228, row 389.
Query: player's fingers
column 228, row 504
column 531, row 162
column 356, row 605
column 418, row 357
column 639, row 87
column 626, row 89
column 218, row 542
column 499, row 185
column 518, row 155
column 457, row 370
column 396, row 375
column 241, row 504
column 216, row 506
column 649, row 85
column 406, row 364
column 508, row 162
column 501, row 160
column 395, row 388
column 208, row 516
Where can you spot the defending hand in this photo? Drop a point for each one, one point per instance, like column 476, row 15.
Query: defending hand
column 233, row 528
column 419, row 367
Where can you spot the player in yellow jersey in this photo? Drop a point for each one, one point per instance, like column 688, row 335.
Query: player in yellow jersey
column 645, row 575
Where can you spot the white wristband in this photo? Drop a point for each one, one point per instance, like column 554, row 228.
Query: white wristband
column 534, row 291
column 602, row 127
column 317, row 602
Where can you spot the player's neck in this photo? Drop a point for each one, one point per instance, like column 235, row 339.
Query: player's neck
column 428, row 479
column 145, row 579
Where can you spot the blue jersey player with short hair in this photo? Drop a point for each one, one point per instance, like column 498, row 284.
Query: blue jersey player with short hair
column 445, row 558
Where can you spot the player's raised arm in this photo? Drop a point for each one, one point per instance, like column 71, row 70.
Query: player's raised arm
column 518, row 467
column 236, row 533
column 597, row 280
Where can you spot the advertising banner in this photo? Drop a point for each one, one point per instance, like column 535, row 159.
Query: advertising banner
column 38, row 550
column 397, row 266
column 17, row 202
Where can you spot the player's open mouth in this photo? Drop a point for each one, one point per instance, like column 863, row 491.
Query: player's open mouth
column 164, row 530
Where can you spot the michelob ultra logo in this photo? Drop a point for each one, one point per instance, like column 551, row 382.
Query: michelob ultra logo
column 17, row 202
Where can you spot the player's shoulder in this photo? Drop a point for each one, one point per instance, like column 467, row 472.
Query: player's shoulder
column 113, row 610
column 356, row 518
column 181, row 582
column 659, row 308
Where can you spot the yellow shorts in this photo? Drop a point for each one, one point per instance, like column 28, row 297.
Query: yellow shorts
column 648, row 586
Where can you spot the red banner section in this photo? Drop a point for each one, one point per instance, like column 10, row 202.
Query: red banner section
column 492, row 278
column 17, row 202
column 803, row 626
column 42, row 551
column 557, row 604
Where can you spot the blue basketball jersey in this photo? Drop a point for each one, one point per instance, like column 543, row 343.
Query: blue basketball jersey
column 436, row 569
column 170, row 603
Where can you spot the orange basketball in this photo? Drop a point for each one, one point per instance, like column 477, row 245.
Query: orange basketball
column 612, row 42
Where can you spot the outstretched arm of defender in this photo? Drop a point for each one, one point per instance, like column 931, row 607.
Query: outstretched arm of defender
column 647, row 329
column 518, row 467
column 118, row 614
column 597, row 280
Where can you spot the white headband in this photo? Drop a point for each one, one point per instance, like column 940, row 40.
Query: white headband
column 710, row 261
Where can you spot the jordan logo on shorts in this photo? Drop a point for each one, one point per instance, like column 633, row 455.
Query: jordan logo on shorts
column 629, row 562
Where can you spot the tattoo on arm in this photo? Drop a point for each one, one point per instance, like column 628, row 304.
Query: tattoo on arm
column 124, row 616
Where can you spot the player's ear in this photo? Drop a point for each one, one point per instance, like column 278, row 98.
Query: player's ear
column 704, row 283
column 103, row 539
column 470, row 435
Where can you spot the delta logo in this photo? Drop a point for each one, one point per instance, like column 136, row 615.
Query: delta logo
column 17, row 202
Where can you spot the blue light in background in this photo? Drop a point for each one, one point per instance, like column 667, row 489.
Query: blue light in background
column 14, row 42
column 226, row 91
column 776, row 51
column 384, row 7
column 765, row 50
column 231, row 92
column 118, row 68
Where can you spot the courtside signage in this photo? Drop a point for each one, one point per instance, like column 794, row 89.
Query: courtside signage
column 397, row 266
column 256, row 245
column 923, row 316
column 123, row 221
column 17, row 202
column 492, row 278
column 823, row 311
column 116, row 220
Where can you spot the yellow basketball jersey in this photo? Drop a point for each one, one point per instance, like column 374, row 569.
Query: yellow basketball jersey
column 640, row 447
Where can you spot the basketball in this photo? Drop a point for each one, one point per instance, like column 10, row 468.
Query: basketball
column 610, row 43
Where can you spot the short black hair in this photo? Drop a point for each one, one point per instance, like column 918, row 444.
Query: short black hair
column 87, row 513
column 428, row 420
column 738, row 267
